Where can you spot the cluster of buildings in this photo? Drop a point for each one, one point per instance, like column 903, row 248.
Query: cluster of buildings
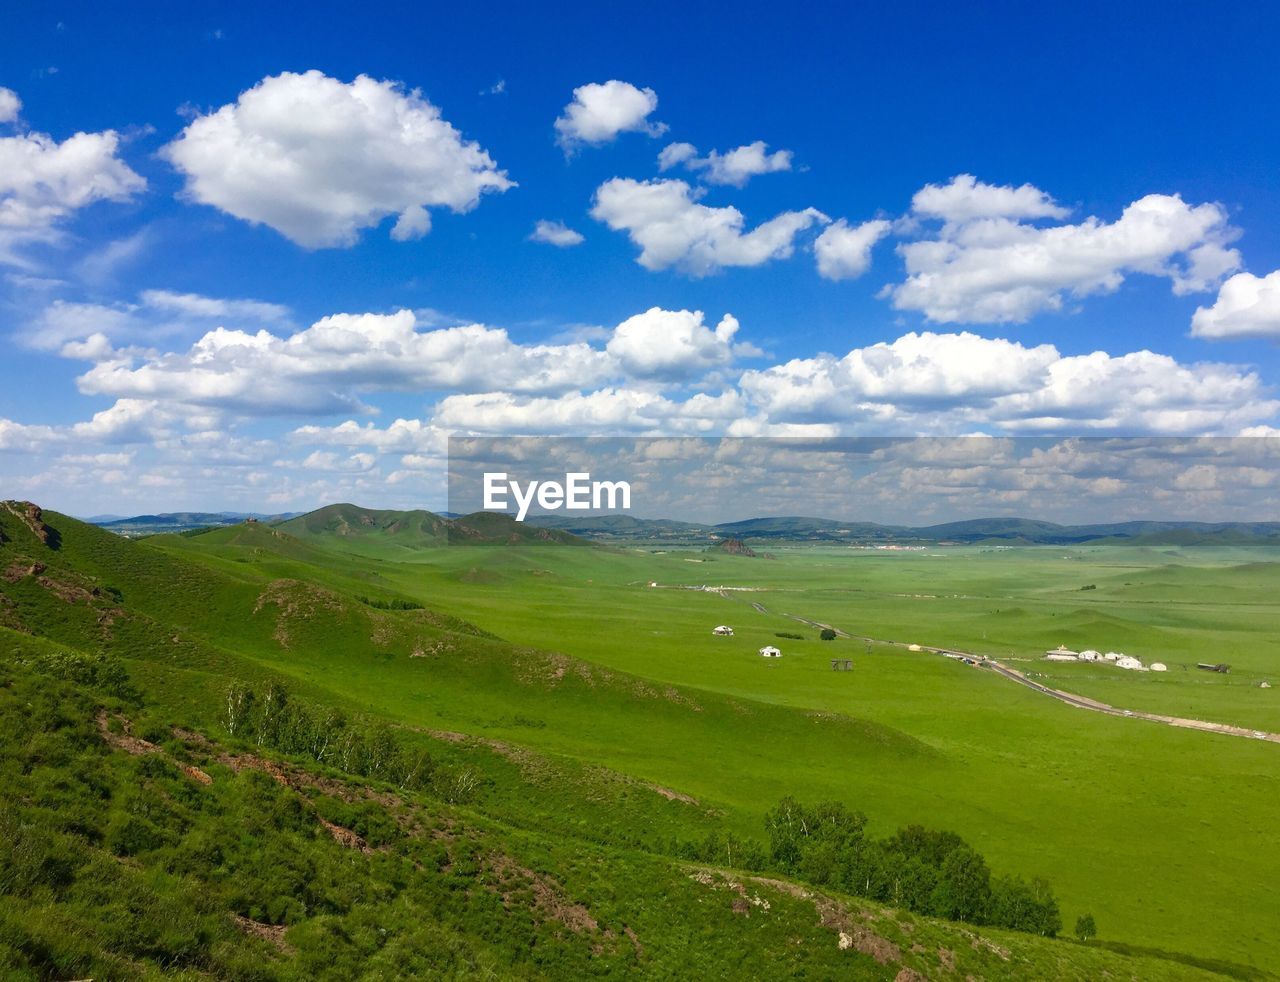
column 1116, row 658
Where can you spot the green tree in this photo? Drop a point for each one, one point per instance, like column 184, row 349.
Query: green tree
column 1086, row 929
column 964, row 886
column 827, row 634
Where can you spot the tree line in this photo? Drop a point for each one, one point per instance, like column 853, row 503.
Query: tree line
column 270, row 718
column 929, row 872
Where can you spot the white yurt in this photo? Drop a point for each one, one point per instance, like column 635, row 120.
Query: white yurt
column 1159, row 666
column 769, row 651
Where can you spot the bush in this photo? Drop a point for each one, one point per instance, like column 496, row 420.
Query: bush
column 827, row 634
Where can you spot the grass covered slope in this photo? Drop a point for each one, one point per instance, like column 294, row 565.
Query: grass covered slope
column 130, row 848
column 1118, row 814
column 625, row 760
column 398, row 534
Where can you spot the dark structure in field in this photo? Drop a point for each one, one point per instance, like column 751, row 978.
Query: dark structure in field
column 1220, row 668
column 842, row 664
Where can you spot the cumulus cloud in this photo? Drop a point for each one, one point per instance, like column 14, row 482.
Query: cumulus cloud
column 1247, row 306
column 324, row 368
column 612, row 410
column 330, row 366
column 734, row 167
column 844, row 251
column 673, row 344
column 989, row 264
column 965, row 198
column 601, row 110
column 932, row 370
column 44, row 182
column 933, row 383
column 319, row 160
column 126, row 421
column 411, row 436
column 674, row 230
column 556, row 234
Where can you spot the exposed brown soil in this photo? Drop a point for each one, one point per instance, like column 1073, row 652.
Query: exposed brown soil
column 125, row 741
column 548, row 897
column 32, row 517
column 273, row 934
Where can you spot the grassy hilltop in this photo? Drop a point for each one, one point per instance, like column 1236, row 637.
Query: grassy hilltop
column 535, row 728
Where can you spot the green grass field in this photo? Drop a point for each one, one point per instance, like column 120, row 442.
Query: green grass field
column 1146, row 825
column 1165, row 835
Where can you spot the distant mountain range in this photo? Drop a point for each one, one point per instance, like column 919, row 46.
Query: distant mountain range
column 378, row 530
column 178, row 521
column 381, row 532
column 1010, row 531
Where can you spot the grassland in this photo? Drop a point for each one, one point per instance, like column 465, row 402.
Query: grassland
column 1164, row 835
column 1127, row 816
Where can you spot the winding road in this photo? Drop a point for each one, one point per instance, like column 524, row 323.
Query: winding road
column 1079, row 702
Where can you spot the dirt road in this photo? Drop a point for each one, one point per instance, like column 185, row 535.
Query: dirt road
column 1079, row 702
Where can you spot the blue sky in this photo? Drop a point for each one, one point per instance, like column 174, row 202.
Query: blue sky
column 1104, row 270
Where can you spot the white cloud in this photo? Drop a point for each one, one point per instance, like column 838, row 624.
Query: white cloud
column 931, row 370
column 556, row 234
column 127, row 421
column 601, row 110
column 404, row 435
column 966, row 198
column 673, row 344
column 10, row 105
column 947, row 383
column 613, row 410
column 320, row 160
column 44, row 182
column 195, row 305
column 844, row 251
column 986, row 265
column 324, row 368
column 89, row 330
column 734, row 167
column 327, row 460
column 1247, row 306
column 673, row 230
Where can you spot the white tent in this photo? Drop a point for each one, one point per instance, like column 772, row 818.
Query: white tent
column 1113, row 656
column 724, row 631
column 1130, row 663
column 1159, row 666
column 769, row 651
column 1090, row 655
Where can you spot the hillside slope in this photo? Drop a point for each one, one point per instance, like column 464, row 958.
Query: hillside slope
column 500, row 850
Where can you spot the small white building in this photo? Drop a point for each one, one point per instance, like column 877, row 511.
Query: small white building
column 769, row 651
column 1062, row 653
column 1090, row 655
column 1129, row 663
column 913, row 647
column 1159, row 666
column 1112, row 656
column 723, row 631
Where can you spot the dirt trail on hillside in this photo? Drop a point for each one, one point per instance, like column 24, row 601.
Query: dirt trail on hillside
column 1079, row 702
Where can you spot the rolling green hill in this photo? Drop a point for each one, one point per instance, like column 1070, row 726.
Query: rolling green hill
column 550, row 780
